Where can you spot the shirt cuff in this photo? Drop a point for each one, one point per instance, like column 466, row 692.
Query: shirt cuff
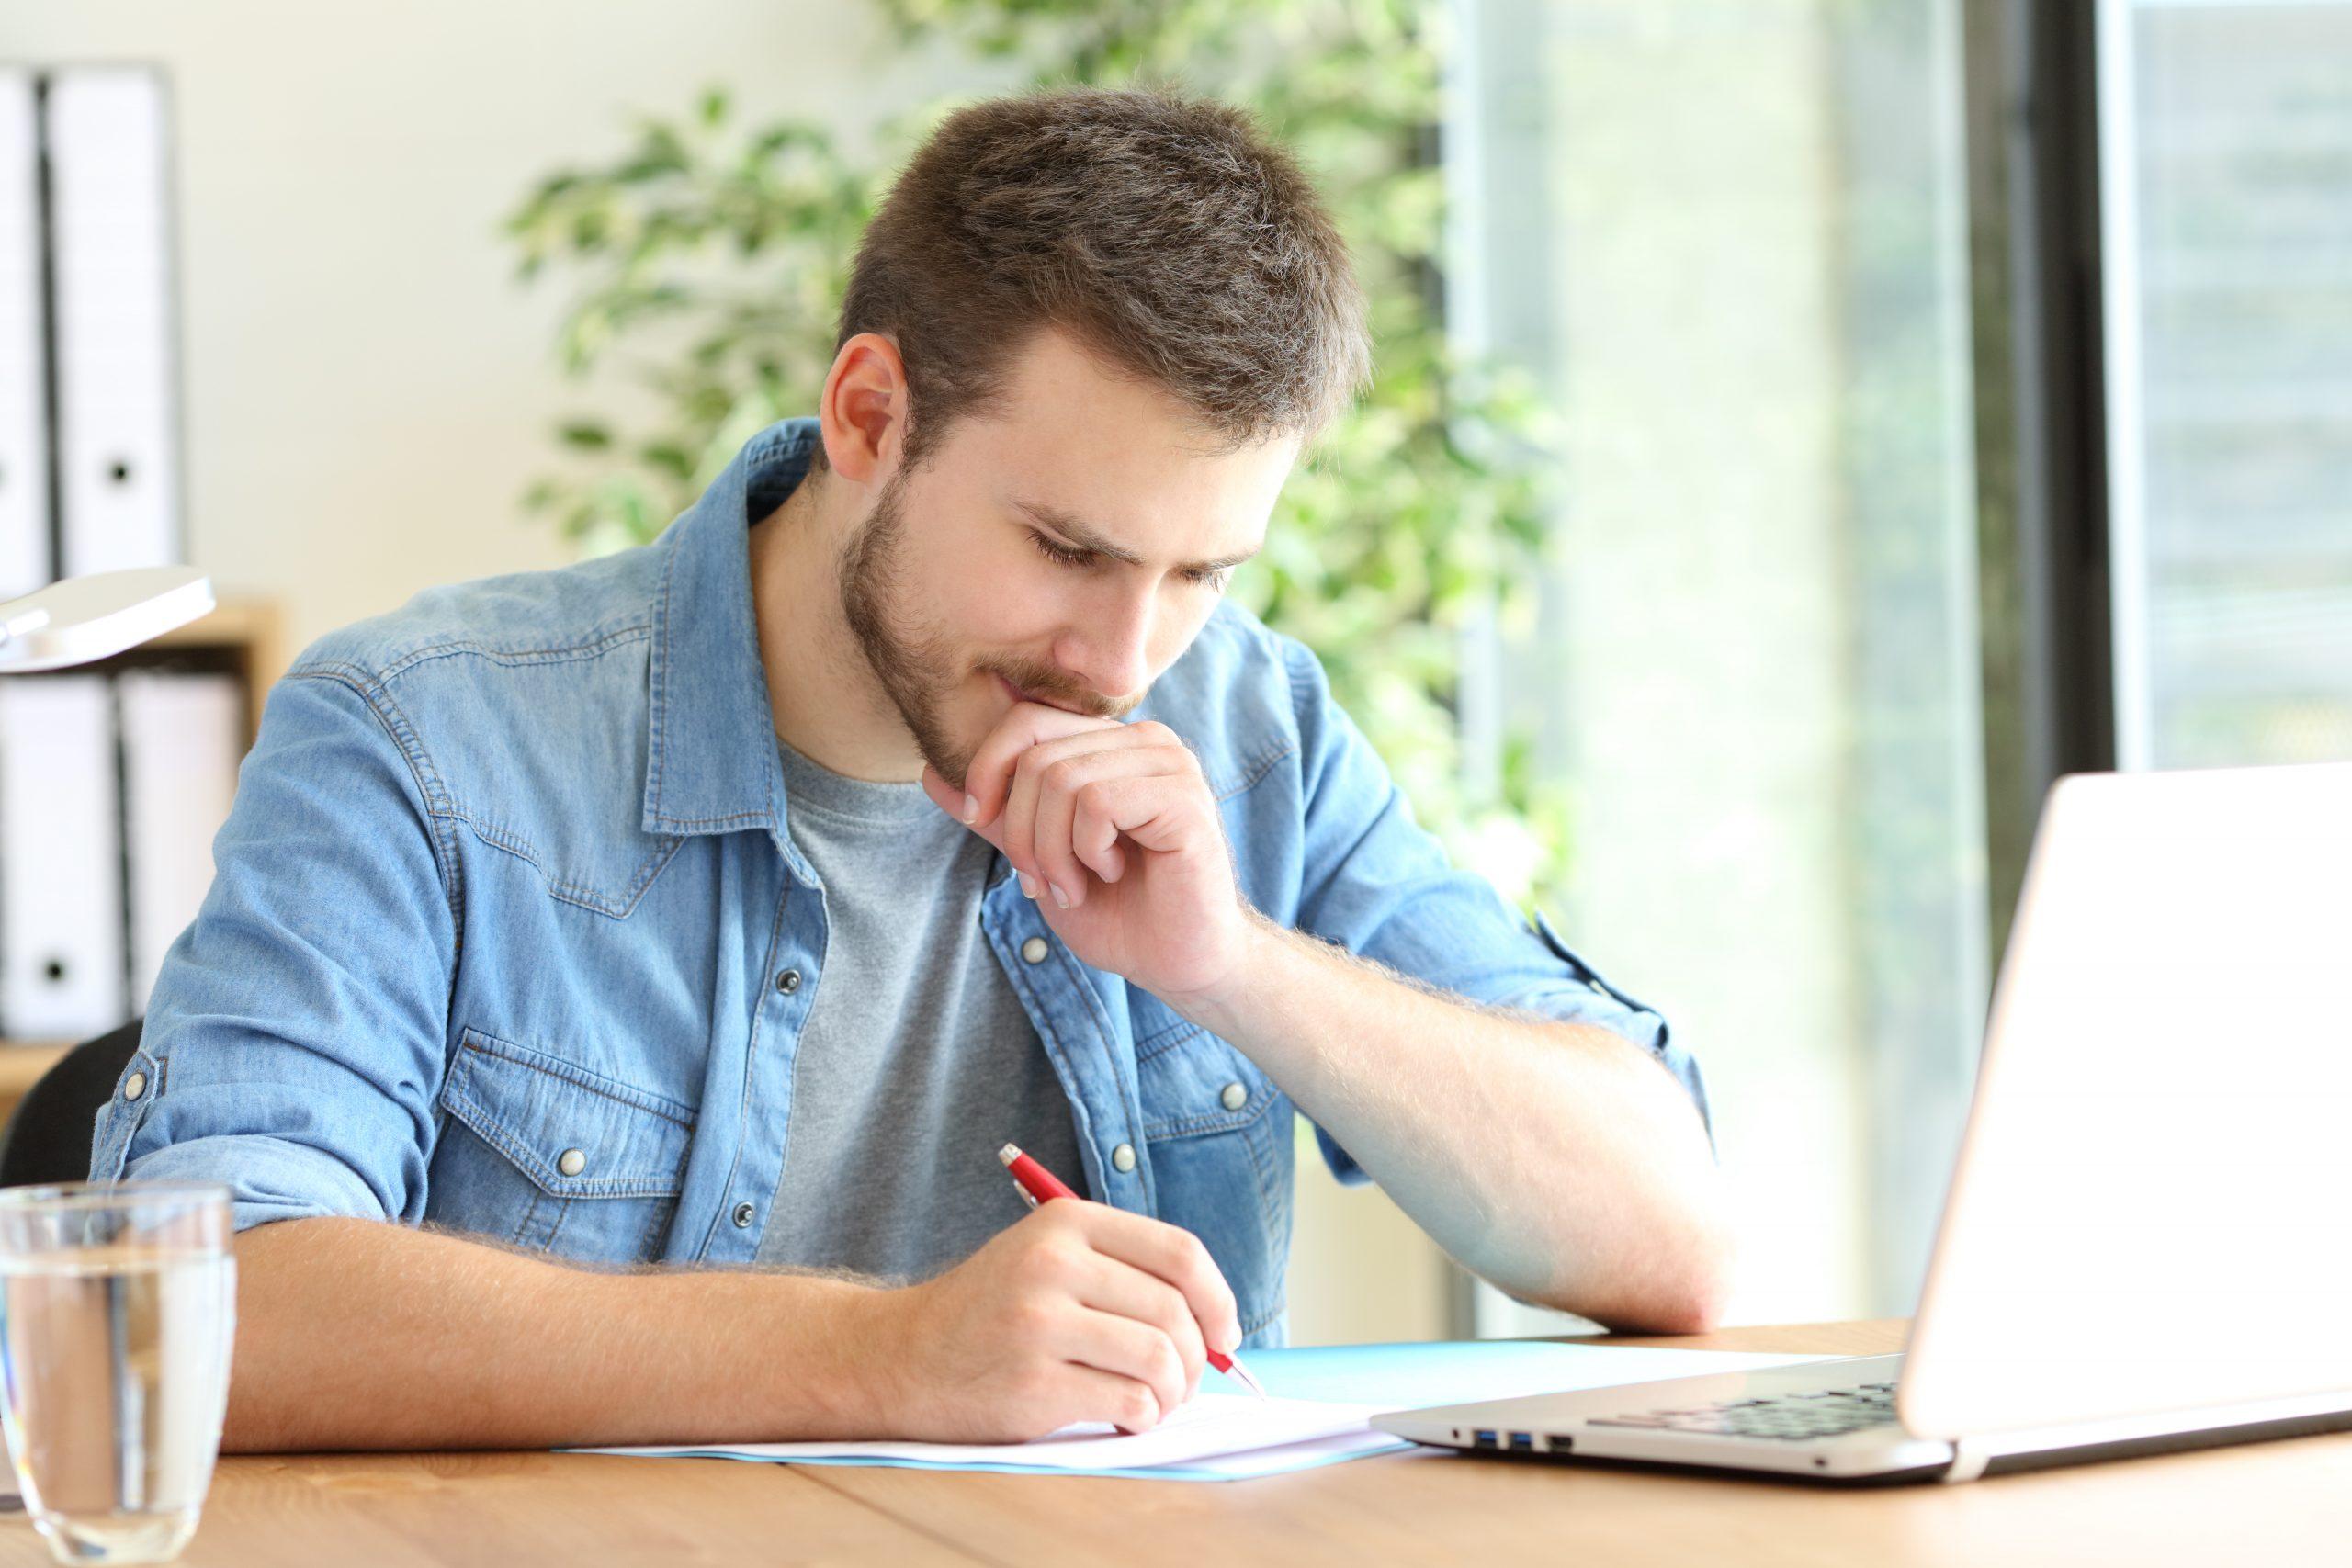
column 268, row 1179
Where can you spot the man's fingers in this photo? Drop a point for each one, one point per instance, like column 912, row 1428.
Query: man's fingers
column 951, row 800
column 1093, row 1395
column 1043, row 812
column 988, row 775
column 1097, row 844
column 1173, row 1254
column 1017, row 824
column 1128, row 1292
column 1126, row 1347
column 1157, row 810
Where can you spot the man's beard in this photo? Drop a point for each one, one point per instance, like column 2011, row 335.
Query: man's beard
column 919, row 668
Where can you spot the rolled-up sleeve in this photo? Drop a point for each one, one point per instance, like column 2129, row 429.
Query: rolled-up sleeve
column 1378, row 883
column 293, row 1046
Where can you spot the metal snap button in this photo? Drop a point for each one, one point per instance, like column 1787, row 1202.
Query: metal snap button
column 571, row 1162
column 134, row 1086
column 1234, row 1098
column 742, row 1216
column 1123, row 1158
column 1033, row 950
column 788, row 982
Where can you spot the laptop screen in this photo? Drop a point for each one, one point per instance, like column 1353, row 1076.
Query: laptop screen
column 2153, row 1206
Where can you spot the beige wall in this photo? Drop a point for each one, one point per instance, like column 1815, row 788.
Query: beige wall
column 1361, row 1272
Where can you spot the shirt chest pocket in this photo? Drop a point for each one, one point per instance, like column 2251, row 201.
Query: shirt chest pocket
column 1221, row 1153
column 539, row 1152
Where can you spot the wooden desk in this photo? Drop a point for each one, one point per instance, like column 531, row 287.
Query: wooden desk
column 2287, row 1503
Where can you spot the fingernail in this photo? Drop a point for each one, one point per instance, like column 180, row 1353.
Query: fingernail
column 971, row 810
column 1028, row 888
column 1059, row 897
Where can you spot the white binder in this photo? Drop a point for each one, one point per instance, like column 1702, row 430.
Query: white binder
column 110, row 238
column 24, row 418
column 182, row 737
column 60, row 867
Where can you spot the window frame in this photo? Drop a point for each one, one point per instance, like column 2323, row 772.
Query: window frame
column 2037, row 224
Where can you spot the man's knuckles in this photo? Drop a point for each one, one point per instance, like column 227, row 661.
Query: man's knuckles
column 1056, row 1261
column 1067, row 773
column 1138, row 1408
column 1167, row 1370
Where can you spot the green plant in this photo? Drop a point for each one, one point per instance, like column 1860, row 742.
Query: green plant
column 716, row 255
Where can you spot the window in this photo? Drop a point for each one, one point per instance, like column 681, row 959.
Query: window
column 2225, row 138
column 1730, row 240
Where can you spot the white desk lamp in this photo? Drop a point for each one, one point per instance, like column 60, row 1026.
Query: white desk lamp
column 86, row 618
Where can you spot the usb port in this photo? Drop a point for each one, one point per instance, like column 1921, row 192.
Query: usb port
column 1524, row 1442
column 1484, row 1440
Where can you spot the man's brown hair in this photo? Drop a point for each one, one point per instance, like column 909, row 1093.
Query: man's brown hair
column 1164, row 233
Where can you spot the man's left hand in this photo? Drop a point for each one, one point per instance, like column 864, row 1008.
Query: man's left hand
column 1114, row 831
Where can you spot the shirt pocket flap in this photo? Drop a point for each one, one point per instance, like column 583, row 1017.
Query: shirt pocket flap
column 1192, row 1082
column 575, row 1133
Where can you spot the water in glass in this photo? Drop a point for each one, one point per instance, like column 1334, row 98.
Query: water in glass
column 116, row 1351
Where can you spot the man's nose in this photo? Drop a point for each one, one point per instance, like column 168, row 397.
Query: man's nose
column 1110, row 649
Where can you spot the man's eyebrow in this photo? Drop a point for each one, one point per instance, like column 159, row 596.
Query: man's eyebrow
column 1080, row 535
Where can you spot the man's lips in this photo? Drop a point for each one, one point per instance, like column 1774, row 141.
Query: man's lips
column 1019, row 694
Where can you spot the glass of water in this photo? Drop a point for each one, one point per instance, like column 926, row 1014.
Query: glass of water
column 117, row 1304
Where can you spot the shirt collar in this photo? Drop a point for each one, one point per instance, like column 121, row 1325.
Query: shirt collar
column 710, row 743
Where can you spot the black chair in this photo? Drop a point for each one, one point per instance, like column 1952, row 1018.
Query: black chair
column 47, row 1139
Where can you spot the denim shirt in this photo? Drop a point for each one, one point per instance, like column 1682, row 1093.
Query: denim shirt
column 506, row 932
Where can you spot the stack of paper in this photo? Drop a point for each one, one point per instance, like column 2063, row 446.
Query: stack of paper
column 1324, row 1398
column 1213, row 1437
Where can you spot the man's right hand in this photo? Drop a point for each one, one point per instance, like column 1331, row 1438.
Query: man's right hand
column 1079, row 1313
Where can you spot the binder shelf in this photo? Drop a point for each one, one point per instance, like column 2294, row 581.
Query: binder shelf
column 244, row 638
column 113, row 778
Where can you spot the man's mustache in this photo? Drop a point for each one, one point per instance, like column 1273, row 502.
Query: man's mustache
column 1049, row 686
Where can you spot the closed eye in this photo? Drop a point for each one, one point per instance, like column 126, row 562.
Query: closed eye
column 1063, row 555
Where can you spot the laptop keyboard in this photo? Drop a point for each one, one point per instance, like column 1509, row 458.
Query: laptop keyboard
column 1792, row 1417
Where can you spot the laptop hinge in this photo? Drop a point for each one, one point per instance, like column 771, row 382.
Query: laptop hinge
column 1969, row 1456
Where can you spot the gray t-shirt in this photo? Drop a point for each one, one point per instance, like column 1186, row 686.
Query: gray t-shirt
column 917, row 1061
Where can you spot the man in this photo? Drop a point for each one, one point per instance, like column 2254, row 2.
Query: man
column 726, row 903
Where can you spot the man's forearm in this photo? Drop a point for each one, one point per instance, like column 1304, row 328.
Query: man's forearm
column 1559, row 1161
column 354, row 1334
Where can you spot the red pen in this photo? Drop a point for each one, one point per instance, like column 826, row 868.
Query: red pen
column 1039, row 1185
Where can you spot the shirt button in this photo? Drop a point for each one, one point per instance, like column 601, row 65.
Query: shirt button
column 134, row 1086
column 742, row 1216
column 1033, row 950
column 1234, row 1098
column 1123, row 1158
column 788, row 982
column 571, row 1162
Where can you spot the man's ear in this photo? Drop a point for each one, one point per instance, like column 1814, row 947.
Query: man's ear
column 864, row 409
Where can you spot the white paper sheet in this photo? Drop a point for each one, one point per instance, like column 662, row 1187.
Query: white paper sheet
column 1211, row 1430
column 1230, row 1437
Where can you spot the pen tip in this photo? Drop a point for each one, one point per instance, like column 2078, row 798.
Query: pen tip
column 1008, row 1154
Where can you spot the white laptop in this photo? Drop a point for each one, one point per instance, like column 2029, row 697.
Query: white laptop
column 2147, row 1241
